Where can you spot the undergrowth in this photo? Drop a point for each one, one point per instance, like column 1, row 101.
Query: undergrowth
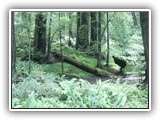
column 42, row 89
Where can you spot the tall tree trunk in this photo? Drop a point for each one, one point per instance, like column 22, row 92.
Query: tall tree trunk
column 82, row 30
column 107, row 60
column 134, row 19
column 69, row 31
column 78, row 31
column 13, row 45
column 60, row 36
column 93, row 28
column 144, row 20
column 99, row 41
column 104, row 30
column 49, row 37
column 40, row 33
column 29, row 37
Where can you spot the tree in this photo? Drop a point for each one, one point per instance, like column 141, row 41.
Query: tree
column 60, row 36
column 99, row 41
column 69, row 31
column 29, row 37
column 104, row 30
column 144, row 21
column 49, row 37
column 134, row 19
column 13, row 46
column 107, row 60
column 93, row 28
column 120, row 31
column 78, row 26
column 40, row 33
column 85, row 67
column 82, row 41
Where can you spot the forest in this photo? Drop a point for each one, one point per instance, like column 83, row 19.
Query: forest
column 79, row 59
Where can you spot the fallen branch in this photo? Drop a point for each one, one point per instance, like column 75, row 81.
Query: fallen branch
column 85, row 67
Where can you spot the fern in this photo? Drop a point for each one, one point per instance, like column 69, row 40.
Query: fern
column 46, row 90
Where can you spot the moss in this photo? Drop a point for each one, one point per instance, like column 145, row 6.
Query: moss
column 81, row 59
column 88, row 60
column 69, row 70
column 102, row 72
column 20, row 52
column 77, row 55
column 129, row 68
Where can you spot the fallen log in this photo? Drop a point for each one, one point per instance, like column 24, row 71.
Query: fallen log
column 85, row 67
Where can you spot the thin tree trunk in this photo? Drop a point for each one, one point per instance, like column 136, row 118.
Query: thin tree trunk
column 49, row 37
column 104, row 30
column 60, row 36
column 69, row 31
column 107, row 62
column 134, row 19
column 99, row 41
column 29, row 37
column 13, row 45
column 78, row 30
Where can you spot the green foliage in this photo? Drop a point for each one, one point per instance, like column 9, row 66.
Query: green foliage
column 24, row 30
column 41, row 89
column 66, row 50
column 80, row 93
column 129, row 68
column 64, row 21
column 78, row 55
column 47, row 90
column 119, row 25
column 69, row 70
column 45, row 87
column 21, row 69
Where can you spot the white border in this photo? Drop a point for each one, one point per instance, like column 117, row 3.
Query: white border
column 65, row 10
column 10, row 62
column 150, row 60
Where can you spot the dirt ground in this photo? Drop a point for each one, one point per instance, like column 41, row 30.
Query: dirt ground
column 131, row 79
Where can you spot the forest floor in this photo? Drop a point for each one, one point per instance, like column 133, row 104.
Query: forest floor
column 130, row 78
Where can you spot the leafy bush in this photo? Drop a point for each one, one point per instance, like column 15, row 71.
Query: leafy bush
column 82, row 94
column 41, row 89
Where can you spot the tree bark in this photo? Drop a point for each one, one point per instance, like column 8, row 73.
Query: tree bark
column 82, row 30
column 144, row 20
column 85, row 67
column 49, row 37
column 40, row 33
column 29, row 37
column 78, row 26
column 69, row 31
column 93, row 28
column 99, row 65
column 134, row 19
column 13, row 45
column 60, row 36
column 107, row 61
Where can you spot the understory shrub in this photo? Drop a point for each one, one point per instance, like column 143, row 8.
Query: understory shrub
column 40, row 89
column 78, row 93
